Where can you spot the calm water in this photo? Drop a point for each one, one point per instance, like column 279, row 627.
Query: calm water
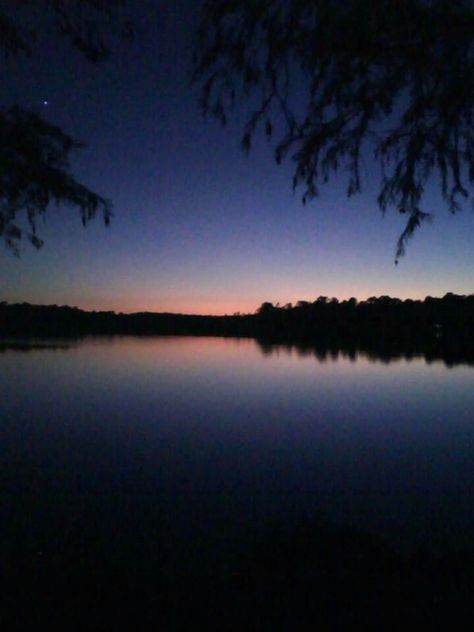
column 171, row 452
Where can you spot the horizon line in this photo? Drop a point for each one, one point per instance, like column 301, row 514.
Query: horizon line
column 277, row 305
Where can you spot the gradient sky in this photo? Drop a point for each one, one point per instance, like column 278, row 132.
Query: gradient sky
column 199, row 227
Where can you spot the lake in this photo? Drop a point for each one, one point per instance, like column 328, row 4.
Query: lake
column 175, row 453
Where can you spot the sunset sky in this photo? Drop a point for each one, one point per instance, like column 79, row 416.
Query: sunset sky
column 199, row 227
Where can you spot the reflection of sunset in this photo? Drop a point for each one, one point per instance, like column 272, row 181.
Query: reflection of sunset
column 246, row 356
column 179, row 351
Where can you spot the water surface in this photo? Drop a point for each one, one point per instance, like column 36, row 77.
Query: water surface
column 173, row 452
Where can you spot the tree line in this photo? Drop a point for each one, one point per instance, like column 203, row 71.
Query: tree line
column 450, row 318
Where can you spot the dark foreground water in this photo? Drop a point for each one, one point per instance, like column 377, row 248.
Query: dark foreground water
column 176, row 454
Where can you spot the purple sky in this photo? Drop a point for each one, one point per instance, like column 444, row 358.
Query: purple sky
column 198, row 226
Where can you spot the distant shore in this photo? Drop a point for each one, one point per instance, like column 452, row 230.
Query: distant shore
column 384, row 327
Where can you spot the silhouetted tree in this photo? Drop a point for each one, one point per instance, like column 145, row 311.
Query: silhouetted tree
column 35, row 154
column 333, row 81
column 266, row 308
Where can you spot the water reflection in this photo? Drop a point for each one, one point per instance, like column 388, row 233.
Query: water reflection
column 216, row 437
column 36, row 344
column 175, row 348
column 175, row 455
column 386, row 354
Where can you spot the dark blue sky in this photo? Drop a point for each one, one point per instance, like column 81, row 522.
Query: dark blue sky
column 198, row 226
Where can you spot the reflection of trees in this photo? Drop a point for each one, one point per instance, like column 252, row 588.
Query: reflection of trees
column 380, row 329
column 323, row 354
column 28, row 345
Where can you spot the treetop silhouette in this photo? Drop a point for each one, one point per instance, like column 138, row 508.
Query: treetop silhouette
column 334, row 82
column 35, row 154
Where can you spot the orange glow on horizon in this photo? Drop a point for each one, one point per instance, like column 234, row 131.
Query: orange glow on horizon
column 199, row 308
column 222, row 307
